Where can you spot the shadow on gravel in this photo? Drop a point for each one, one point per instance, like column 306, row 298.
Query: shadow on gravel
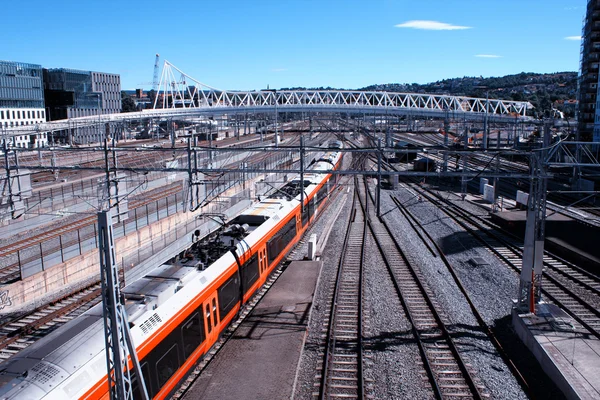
column 386, row 340
column 540, row 386
column 458, row 242
column 458, row 331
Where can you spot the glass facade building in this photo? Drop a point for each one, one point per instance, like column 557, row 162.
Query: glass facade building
column 21, row 85
column 73, row 87
column 22, row 100
column 73, row 93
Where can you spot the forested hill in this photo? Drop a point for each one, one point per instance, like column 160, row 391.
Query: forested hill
column 542, row 90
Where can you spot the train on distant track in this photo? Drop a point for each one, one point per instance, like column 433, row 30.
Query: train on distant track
column 178, row 310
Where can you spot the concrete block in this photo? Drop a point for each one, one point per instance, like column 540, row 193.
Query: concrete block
column 488, row 193
column 482, row 183
column 522, row 197
column 312, row 246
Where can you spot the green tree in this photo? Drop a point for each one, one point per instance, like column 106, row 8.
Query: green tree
column 127, row 103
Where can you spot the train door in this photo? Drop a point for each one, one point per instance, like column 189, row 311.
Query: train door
column 211, row 318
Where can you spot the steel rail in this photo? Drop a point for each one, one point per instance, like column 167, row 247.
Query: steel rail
column 342, row 369
column 447, row 369
column 488, row 330
column 553, row 288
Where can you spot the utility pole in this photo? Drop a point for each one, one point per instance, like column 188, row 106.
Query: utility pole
column 446, row 128
column 276, row 132
column 465, row 160
column 485, row 121
column 117, row 336
column 302, row 175
column 379, row 177
column 530, row 286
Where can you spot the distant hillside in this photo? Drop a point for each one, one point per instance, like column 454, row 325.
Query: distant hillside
column 541, row 90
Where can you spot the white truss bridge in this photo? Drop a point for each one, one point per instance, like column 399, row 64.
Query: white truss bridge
column 180, row 95
column 177, row 90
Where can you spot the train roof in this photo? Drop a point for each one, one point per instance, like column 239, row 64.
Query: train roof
column 75, row 351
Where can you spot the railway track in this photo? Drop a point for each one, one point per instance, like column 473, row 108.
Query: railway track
column 19, row 333
column 11, row 272
column 573, row 289
column 450, row 376
column 341, row 373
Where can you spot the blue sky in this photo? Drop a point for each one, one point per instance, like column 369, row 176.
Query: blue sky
column 252, row 44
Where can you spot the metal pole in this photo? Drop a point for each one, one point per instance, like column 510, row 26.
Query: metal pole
column 485, row 121
column 210, row 157
column 276, row 131
column 464, row 180
column 530, row 285
column 379, row 177
column 117, row 336
column 446, row 128
column 302, row 174
column 8, row 177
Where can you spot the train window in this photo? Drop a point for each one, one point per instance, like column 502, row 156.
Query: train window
column 192, row 333
column 167, row 365
column 249, row 272
column 322, row 193
column 229, row 295
column 281, row 239
column 214, row 306
column 208, row 323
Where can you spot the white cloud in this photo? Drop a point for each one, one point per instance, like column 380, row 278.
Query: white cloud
column 278, row 69
column 573, row 38
column 488, row 56
column 431, row 25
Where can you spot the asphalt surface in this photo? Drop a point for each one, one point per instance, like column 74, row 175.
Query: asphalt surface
column 259, row 361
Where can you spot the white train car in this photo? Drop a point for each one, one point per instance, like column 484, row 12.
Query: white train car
column 177, row 311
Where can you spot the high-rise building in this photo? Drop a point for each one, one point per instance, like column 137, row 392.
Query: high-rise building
column 22, row 100
column 587, row 115
column 72, row 93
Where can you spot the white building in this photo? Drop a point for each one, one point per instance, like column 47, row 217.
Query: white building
column 22, row 100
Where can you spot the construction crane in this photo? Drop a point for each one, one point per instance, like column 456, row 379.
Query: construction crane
column 155, row 80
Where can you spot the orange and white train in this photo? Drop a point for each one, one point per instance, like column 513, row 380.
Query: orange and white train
column 179, row 309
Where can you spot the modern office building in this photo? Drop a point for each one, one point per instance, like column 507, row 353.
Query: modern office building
column 589, row 112
column 72, row 93
column 22, row 100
